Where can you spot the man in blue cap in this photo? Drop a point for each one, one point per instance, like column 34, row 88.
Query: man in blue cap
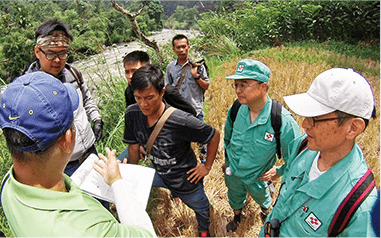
column 251, row 146
column 38, row 199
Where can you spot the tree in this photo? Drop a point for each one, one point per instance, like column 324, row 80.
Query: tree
column 135, row 26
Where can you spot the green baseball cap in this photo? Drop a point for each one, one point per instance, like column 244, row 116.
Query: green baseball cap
column 251, row 69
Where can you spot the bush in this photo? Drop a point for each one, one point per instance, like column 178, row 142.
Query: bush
column 257, row 25
column 17, row 53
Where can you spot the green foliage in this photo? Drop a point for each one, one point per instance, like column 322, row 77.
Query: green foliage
column 17, row 52
column 112, row 106
column 255, row 25
column 183, row 18
column 93, row 24
column 110, row 90
column 5, row 164
column 217, row 47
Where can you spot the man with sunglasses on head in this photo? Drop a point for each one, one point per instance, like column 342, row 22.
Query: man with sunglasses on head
column 249, row 140
column 337, row 108
column 52, row 48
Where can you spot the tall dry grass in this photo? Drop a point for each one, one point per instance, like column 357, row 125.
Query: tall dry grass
column 287, row 77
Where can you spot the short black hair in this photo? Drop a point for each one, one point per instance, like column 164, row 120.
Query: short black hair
column 15, row 138
column 179, row 37
column 53, row 25
column 146, row 77
column 136, row 56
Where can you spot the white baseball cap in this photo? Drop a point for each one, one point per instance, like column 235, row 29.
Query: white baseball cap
column 335, row 89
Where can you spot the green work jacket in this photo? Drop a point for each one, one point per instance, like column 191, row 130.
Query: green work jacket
column 326, row 192
column 251, row 147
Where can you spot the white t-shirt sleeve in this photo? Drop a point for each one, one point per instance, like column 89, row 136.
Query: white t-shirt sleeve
column 130, row 211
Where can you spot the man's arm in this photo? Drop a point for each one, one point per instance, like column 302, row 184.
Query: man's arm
column 173, row 97
column 133, row 153
column 129, row 210
column 168, row 77
column 90, row 106
column 200, row 79
column 201, row 170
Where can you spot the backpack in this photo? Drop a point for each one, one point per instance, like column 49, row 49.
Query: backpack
column 276, row 120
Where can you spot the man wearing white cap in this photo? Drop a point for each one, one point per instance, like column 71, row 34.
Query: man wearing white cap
column 337, row 108
column 250, row 142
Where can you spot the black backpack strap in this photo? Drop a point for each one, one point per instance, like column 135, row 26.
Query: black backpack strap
column 303, row 145
column 276, row 123
column 351, row 203
column 234, row 110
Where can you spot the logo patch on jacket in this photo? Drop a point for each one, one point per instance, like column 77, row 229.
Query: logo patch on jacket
column 269, row 136
column 313, row 221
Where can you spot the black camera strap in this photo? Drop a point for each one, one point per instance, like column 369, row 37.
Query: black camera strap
column 272, row 226
column 295, row 210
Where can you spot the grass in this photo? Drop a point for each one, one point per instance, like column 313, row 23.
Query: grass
column 293, row 69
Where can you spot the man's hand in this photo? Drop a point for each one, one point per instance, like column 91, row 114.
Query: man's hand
column 142, row 153
column 97, row 129
column 198, row 173
column 194, row 71
column 109, row 168
column 269, row 175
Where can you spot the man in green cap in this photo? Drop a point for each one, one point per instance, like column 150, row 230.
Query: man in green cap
column 251, row 147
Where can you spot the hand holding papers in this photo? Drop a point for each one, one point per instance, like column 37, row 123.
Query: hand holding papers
column 92, row 182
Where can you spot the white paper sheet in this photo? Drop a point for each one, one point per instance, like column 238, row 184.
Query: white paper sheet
column 92, row 182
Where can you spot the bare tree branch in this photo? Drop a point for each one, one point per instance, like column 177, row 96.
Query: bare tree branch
column 135, row 27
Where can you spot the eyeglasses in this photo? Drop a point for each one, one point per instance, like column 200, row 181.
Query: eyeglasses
column 243, row 86
column 52, row 56
column 313, row 120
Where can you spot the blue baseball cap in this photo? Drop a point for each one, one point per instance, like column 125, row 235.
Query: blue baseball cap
column 39, row 106
column 251, row 69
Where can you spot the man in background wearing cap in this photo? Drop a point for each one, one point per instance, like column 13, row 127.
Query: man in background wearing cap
column 52, row 46
column 337, row 109
column 38, row 199
column 251, row 146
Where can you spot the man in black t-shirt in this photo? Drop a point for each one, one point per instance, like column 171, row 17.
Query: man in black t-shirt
column 171, row 154
column 134, row 61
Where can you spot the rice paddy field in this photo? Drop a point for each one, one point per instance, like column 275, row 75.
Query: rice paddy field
column 293, row 70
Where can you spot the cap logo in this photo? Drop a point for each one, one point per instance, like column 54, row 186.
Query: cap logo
column 240, row 68
column 31, row 112
column 13, row 118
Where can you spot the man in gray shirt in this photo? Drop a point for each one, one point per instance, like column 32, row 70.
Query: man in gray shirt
column 195, row 81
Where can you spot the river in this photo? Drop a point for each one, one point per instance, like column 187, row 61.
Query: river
column 109, row 63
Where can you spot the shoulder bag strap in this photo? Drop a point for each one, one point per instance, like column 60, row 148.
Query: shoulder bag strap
column 157, row 128
column 351, row 203
column 178, row 85
column 77, row 78
column 276, row 123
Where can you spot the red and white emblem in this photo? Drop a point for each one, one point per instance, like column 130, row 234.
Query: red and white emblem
column 240, row 68
column 313, row 221
column 269, row 136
